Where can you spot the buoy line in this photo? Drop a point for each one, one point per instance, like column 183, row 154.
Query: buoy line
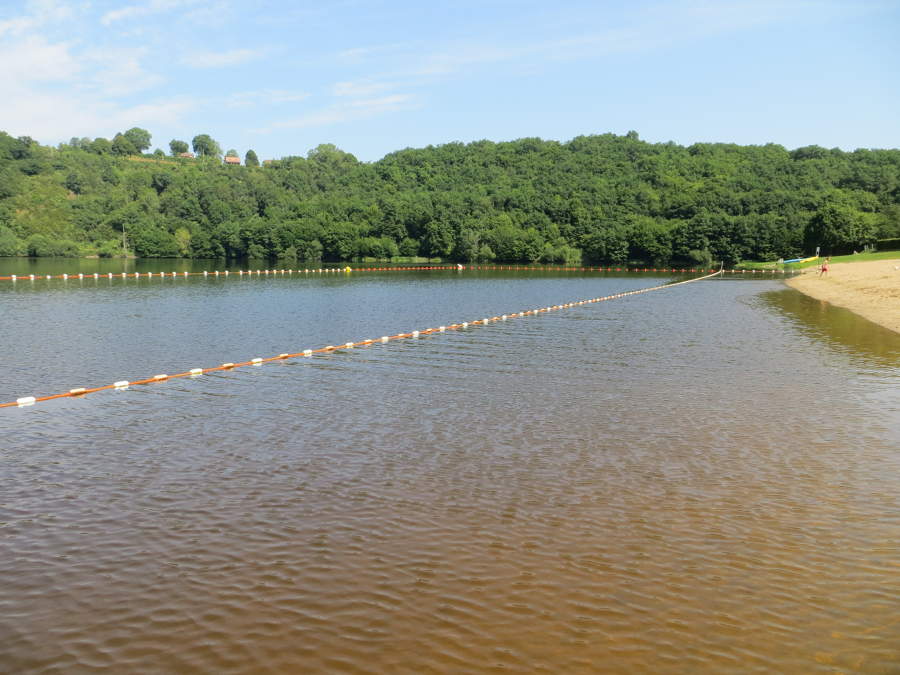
column 249, row 274
column 196, row 372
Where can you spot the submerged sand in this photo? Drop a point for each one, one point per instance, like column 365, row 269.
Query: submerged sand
column 870, row 289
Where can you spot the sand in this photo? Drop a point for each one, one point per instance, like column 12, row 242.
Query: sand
column 870, row 289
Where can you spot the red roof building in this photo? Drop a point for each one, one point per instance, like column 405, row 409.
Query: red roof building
column 232, row 160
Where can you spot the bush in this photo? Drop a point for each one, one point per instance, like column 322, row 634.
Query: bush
column 42, row 246
column 9, row 243
column 288, row 255
column 257, row 252
column 109, row 249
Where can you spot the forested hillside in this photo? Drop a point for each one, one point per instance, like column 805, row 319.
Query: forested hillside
column 599, row 199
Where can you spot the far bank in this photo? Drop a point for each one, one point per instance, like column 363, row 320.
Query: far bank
column 870, row 289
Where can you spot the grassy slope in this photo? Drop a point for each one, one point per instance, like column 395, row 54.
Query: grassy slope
column 855, row 257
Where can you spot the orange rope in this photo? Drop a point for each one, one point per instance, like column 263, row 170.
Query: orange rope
column 82, row 391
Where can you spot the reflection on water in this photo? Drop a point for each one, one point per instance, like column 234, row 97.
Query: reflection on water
column 837, row 326
column 626, row 487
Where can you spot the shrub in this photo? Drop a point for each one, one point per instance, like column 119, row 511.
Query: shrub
column 9, row 243
column 42, row 246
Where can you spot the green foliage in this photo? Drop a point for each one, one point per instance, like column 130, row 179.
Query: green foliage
column 205, row 146
column 10, row 244
column 110, row 249
column 139, row 138
column 600, row 199
column 10, row 182
column 838, row 227
column 40, row 245
column 881, row 244
column 122, row 145
column 177, row 147
column 101, row 146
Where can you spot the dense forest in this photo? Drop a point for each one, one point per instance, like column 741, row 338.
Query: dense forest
column 597, row 199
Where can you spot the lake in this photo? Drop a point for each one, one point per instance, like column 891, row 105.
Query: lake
column 700, row 479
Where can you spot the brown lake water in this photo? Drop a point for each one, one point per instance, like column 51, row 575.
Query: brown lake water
column 702, row 479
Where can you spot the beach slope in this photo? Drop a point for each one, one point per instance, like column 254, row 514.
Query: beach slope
column 870, row 289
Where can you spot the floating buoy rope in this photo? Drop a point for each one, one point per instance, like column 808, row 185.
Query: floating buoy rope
column 307, row 353
column 250, row 274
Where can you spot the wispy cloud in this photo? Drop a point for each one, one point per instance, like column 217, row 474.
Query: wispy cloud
column 346, row 112
column 230, row 57
column 37, row 13
column 119, row 71
column 265, row 97
column 34, row 60
column 360, row 88
column 143, row 9
column 61, row 87
column 644, row 29
column 359, row 55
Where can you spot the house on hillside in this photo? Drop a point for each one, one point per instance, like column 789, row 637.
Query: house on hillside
column 233, row 160
column 186, row 155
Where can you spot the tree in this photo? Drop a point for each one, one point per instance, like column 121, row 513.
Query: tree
column 9, row 243
column 177, row 147
column 100, row 146
column 838, row 227
column 22, row 147
column 122, row 146
column 205, row 146
column 139, row 138
column 438, row 239
column 614, row 198
column 231, row 153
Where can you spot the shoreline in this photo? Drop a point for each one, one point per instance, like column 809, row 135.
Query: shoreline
column 870, row 289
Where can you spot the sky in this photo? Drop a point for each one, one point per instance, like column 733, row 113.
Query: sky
column 376, row 76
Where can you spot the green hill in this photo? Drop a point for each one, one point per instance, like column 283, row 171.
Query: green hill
column 600, row 199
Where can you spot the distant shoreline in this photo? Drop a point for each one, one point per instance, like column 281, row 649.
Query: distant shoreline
column 870, row 289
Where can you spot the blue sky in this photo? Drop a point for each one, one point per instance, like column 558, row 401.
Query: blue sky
column 377, row 76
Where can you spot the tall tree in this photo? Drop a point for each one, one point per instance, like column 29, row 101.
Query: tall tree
column 250, row 159
column 140, row 138
column 177, row 147
column 231, row 153
column 205, row 146
column 122, row 146
column 100, row 146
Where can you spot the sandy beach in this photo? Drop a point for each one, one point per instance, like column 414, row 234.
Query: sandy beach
column 870, row 289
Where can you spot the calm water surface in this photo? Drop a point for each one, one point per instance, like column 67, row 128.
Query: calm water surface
column 704, row 479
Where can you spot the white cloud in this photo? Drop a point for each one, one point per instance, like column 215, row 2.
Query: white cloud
column 118, row 71
column 356, row 55
column 245, row 99
column 385, row 103
column 360, row 88
column 221, row 59
column 142, row 9
column 37, row 13
column 52, row 116
column 16, row 25
column 131, row 11
column 33, row 59
column 59, row 92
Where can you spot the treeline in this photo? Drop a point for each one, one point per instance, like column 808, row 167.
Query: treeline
column 597, row 199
